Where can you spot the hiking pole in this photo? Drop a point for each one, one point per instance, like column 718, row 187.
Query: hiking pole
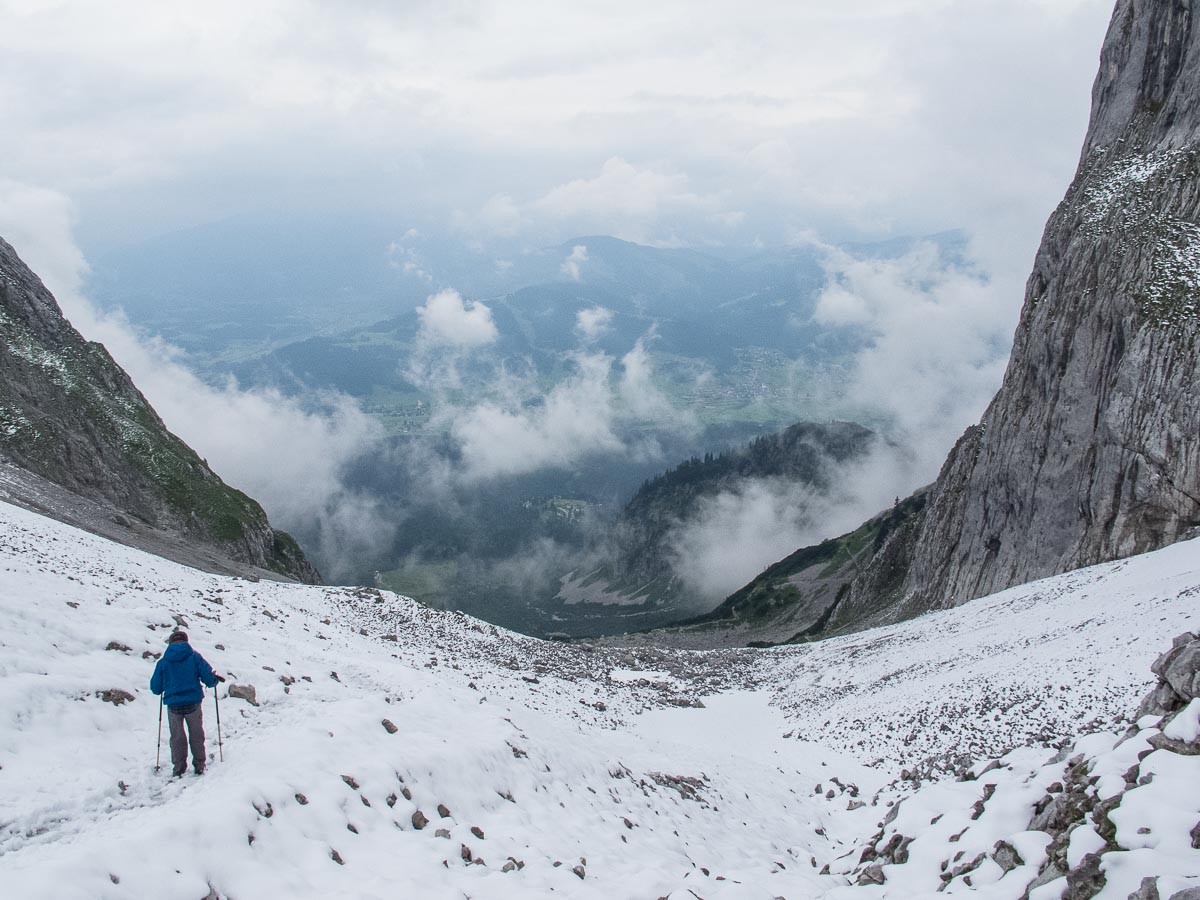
column 217, row 701
column 158, row 749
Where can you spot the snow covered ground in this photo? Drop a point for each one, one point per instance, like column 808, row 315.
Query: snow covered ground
column 399, row 752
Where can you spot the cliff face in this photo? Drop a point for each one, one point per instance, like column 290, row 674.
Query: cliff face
column 1091, row 449
column 71, row 416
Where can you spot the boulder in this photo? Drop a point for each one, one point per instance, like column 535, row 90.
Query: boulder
column 872, row 874
column 244, row 692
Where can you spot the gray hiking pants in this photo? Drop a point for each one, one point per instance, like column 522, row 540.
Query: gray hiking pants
column 194, row 735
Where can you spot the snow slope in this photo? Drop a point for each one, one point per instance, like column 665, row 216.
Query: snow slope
column 560, row 770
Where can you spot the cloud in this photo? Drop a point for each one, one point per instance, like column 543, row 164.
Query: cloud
column 738, row 533
column 289, row 453
column 643, row 400
column 448, row 321
column 638, row 204
column 588, row 414
column 593, row 323
column 573, row 264
column 575, row 420
column 938, row 334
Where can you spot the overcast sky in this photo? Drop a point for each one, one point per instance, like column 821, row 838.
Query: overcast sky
column 668, row 122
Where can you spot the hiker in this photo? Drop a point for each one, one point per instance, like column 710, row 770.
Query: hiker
column 177, row 677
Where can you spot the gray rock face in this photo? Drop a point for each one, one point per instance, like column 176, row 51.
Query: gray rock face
column 1091, row 449
column 1178, row 674
column 70, row 416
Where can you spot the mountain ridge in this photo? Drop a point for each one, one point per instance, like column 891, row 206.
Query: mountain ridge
column 72, row 418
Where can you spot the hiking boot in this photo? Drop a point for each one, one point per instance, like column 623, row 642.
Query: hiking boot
column 178, row 773
column 199, row 770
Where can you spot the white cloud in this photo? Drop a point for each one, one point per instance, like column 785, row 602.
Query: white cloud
column 448, row 321
column 500, row 215
column 575, row 420
column 593, row 323
column 643, row 400
column 938, row 341
column 738, row 533
column 638, row 204
column 288, row 453
column 573, row 264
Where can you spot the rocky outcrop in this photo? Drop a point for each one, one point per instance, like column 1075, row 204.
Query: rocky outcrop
column 1090, row 450
column 71, row 417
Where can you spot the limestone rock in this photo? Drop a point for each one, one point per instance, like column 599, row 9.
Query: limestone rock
column 244, row 692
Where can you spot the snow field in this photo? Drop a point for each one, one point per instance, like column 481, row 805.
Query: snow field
column 565, row 770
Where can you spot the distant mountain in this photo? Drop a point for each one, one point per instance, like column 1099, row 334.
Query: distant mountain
column 642, row 569
column 1090, row 451
column 81, row 442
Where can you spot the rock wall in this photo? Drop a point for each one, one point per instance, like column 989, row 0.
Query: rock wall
column 1091, row 449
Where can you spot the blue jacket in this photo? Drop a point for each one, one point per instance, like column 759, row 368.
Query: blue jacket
column 178, row 674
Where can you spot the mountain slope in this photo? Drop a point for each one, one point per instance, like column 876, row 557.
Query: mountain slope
column 71, row 416
column 562, row 756
column 1090, row 450
column 642, row 564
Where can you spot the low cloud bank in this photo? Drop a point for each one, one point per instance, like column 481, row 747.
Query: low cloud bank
column 938, row 335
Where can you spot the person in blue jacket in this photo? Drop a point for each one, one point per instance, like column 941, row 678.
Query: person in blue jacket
column 177, row 676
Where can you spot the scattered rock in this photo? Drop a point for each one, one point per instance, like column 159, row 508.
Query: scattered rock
column 442, row 833
column 1005, row 855
column 389, row 726
column 351, row 781
column 466, row 853
column 443, row 810
column 244, row 692
column 580, row 871
column 117, row 645
column 419, row 820
column 1085, row 880
column 115, row 696
column 301, row 799
column 1148, row 890
column 872, row 874
column 336, row 857
column 1174, row 745
column 391, row 800
column 477, row 831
